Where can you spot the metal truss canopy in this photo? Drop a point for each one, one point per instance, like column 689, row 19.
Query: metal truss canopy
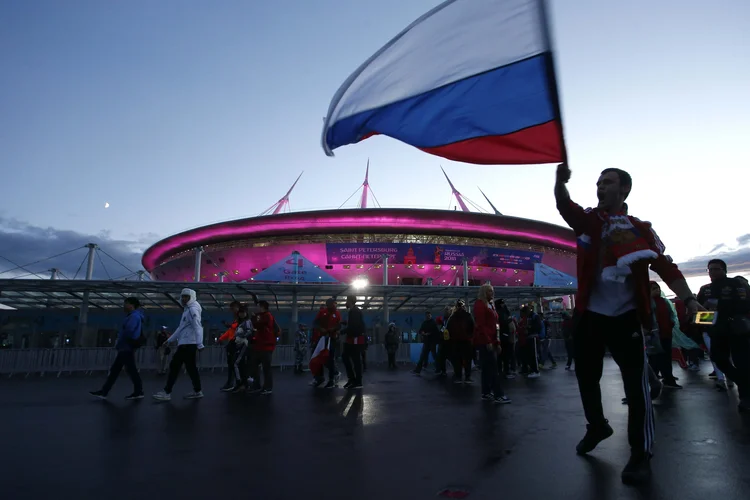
column 107, row 295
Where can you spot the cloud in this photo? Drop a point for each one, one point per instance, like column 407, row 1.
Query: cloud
column 24, row 243
column 738, row 260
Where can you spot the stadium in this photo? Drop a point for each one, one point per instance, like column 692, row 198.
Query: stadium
column 391, row 246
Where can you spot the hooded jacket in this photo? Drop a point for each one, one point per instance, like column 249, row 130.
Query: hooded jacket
column 131, row 329
column 190, row 331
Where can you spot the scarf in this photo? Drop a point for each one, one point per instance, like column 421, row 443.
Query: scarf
column 623, row 245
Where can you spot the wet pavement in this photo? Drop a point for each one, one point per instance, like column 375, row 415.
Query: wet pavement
column 402, row 437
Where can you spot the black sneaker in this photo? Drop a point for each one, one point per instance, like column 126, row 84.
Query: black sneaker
column 266, row 392
column 316, row 383
column 502, row 400
column 487, row 397
column 98, row 394
column 594, row 436
column 227, row 388
column 637, row 471
column 331, row 384
column 356, row 385
column 468, row 381
column 349, row 385
column 672, row 384
column 135, row 396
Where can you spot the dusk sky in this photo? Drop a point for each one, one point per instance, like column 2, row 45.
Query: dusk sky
column 181, row 113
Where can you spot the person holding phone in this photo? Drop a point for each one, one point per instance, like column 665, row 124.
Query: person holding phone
column 729, row 348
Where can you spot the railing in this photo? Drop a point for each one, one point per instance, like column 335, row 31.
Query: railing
column 98, row 359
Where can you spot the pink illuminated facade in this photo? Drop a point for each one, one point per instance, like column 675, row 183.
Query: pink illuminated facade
column 343, row 245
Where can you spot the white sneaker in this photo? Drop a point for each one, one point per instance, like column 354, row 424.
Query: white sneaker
column 194, row 395
column 533, row 375
column 162, row 396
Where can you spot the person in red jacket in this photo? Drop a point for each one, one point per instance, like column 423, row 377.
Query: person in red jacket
column 486, row 338
column 264, row 343
column 613, row 305
column 231, row 347
column 327, row 324
column 460, row 328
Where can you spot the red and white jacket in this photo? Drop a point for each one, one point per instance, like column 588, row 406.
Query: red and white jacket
column 588, row 226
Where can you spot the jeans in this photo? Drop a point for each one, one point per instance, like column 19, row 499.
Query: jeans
column 124, row 359
column 184, row 355
column 490, row 375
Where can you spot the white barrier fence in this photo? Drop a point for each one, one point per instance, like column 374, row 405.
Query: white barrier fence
column 98, row 359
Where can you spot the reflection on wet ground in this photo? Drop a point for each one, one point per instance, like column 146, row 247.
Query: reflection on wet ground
column 401, row 437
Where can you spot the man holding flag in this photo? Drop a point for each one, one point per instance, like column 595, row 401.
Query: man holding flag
column 326, row 327
column 613, row 306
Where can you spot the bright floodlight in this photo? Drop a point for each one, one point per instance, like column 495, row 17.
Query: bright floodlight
column 360, row 283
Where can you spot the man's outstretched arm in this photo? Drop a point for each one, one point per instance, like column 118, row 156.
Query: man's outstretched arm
column 573, row 214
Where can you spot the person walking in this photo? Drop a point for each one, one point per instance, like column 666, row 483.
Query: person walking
column 460, row 328
column 300, row 348
column 429, row 331
column 162, row 350
column 392, row 339
column 327, row 324
column 189, row 340
column 354, row 344
column 127, row 342
column 231, row 346
column 264, row 343
column 486, row 338
column 243, row 339
column 729, row 338
column 613, row 307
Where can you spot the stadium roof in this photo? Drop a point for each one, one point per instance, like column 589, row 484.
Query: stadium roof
column 108, row 295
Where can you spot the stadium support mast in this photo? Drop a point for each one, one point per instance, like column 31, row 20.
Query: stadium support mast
column 280, row 205
column 365, row 187
column 459, row 196
column 497, row 212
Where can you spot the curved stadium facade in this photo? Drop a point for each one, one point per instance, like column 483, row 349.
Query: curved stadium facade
column 339, row 246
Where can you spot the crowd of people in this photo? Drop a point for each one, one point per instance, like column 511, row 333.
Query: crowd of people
column 618, row 308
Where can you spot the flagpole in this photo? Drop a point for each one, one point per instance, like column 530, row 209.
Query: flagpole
column 552, row 75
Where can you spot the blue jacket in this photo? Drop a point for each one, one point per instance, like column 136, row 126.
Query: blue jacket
column 130, row 330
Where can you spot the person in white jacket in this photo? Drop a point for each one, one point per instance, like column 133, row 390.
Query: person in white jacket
column 189, row 339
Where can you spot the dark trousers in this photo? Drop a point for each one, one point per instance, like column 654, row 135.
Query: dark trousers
column 463, row 353
column 124, row 359
column 731, row 354
column 662, row 362
column 570, row 350
column 490, row 375
column 391, row 357
column 507, row 358
column 352, row 358
column 364, row 359
column 443, row 355
column 262, row 359
column 184, row 355
column 231, row 351
column 331, row 364
column 623, row 337
column 530, row 355
column 427, row 347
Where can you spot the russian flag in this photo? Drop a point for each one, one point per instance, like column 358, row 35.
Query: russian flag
column 471, row 81
column 320, row 356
